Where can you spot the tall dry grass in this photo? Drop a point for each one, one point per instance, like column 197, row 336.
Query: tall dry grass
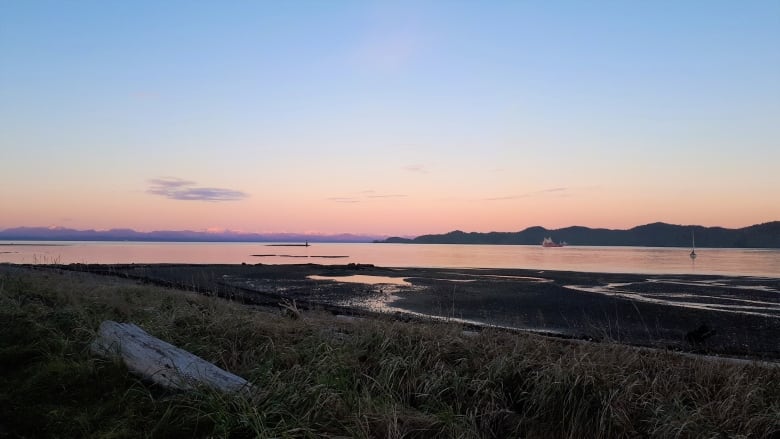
column 324, row 377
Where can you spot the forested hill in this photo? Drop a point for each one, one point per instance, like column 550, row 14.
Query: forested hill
column 765, row 235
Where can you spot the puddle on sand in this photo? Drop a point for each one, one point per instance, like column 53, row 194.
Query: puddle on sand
column 364, row 279
column 615, row 289
column 383, row 287
column 715, row 283
column 384, row 298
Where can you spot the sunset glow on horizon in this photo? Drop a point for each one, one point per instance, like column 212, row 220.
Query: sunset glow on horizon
column 388, row 118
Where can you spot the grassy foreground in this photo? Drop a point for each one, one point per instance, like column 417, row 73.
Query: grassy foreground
column 324, row 377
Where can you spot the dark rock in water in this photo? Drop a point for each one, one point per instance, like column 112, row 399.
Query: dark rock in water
column 699, row 335
column 354, row 266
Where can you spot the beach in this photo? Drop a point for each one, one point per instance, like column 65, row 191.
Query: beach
column 341, row 359
column 736, row 316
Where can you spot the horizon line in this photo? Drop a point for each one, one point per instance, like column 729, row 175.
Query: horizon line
column 238, row 234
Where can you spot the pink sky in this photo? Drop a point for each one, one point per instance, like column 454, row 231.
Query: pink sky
column 394, row 118
column 374, row 213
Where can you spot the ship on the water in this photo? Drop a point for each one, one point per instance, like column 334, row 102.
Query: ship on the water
column 548, row 242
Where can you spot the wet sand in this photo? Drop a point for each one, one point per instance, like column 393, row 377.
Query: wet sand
column 646, row 310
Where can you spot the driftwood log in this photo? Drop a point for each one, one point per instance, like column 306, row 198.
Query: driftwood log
column 161, row 362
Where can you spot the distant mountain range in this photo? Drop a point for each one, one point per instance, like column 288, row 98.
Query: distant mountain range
column 765, row 235
column 64, row 234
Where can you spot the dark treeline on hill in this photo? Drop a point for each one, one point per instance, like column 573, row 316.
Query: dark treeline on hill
column 765, row 235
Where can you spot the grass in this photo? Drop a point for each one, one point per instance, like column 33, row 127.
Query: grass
column 323, row 377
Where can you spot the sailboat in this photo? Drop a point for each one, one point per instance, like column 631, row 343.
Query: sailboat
column 693, row 246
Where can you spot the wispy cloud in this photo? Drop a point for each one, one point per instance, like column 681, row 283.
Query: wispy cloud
column 387, row 196
column 364, row 196
column 555, row 190
column 416, row 168
column 507, row 197
column 547, row 191
column 185, row 190
column 344, row 199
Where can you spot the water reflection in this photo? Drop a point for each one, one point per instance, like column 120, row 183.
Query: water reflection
column 364, row 279
column 723, row 302
column 730, row 262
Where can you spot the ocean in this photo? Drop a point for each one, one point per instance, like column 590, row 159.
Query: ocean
column 645, row 260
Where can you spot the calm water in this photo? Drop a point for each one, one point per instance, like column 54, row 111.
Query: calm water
column 749, row 262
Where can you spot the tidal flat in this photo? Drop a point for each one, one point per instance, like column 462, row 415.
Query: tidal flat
column 371, row 373
column 738, row 316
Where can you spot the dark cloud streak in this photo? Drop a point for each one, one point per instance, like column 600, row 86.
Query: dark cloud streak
column 184, row 190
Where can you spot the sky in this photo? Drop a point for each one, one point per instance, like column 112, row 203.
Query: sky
column 389, row 118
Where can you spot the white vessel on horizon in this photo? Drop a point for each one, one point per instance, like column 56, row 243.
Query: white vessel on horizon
column 548, row 242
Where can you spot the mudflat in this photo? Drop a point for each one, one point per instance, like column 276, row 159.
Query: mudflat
column 704, row 314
